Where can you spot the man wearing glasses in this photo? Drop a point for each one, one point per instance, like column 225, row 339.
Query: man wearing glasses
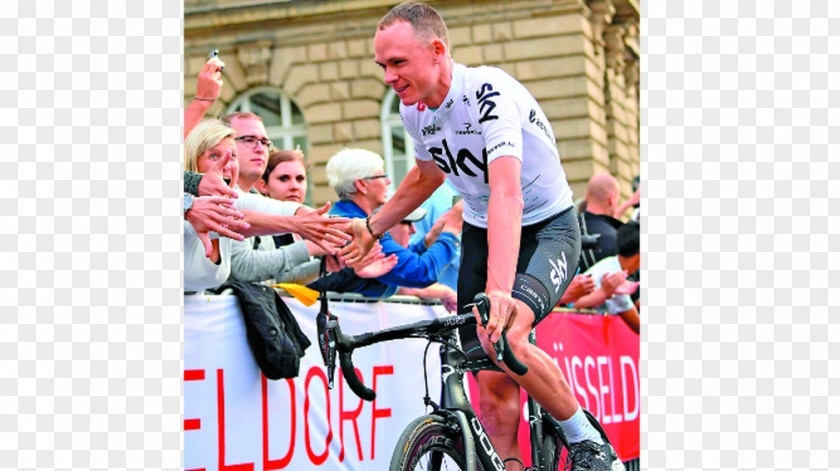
column 252, row 146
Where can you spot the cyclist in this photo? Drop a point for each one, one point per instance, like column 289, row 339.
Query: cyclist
column 484, row 131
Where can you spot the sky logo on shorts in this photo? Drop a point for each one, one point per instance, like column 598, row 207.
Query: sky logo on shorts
column 559, row 270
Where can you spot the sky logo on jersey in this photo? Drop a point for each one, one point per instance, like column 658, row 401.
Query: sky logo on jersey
column 460, row 161
column 485, row 105
column 559, row 271
column 449, row 103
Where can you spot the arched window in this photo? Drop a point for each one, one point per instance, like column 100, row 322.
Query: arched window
column 283, row 120
column 396, row 143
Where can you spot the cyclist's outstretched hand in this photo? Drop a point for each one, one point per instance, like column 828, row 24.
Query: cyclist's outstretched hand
column 502, row 313
column 362, row 243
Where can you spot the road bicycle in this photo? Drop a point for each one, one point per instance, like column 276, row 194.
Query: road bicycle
column 451, row 436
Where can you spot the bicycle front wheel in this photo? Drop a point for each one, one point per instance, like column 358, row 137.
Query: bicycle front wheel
column 429, row 443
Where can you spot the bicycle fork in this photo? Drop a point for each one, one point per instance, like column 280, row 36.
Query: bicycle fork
column 454, row 403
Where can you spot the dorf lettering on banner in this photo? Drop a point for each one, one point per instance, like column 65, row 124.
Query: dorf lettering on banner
column 599, row 356
column 236, row 420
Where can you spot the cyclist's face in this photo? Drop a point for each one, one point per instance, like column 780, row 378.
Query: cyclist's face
column 402, row 232
column 411, row 65
column 287, row 181
column 252, row 157
column 208, row 158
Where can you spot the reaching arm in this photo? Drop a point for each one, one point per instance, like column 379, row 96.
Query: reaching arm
column 207, row 90
column 267, row 216
column 247, row 264
column 504, row 225
column 422, row 180
column 447, row 296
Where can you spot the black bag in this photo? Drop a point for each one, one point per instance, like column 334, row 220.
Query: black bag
column 274, row 335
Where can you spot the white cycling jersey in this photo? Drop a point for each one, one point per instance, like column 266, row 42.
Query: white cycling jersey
column 488, row 114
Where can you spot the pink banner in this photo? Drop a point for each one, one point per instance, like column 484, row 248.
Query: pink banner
column 599, row 355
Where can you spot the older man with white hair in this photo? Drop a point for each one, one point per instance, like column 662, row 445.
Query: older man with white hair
column 359, row 179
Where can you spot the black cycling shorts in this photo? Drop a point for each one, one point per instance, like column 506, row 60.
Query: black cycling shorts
column 548, row 259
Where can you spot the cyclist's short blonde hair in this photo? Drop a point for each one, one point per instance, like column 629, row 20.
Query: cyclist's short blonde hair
column 426, row 21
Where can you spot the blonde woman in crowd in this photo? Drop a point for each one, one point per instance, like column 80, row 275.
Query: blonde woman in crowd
column 211, row 141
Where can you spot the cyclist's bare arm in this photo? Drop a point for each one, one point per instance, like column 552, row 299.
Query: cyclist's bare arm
column 422, row 180
column 504, row 225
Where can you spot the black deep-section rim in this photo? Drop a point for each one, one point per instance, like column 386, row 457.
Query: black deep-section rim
column 429, row 438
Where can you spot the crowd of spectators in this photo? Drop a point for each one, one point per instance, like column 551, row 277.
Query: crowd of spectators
column 610, row 277
column 245, row 220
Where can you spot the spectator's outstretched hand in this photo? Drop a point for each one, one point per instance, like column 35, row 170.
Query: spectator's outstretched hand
column 450, row 300
column 328, row 233
column 216, row 214
column 317, row 250
column 375, row 263
column 333, row 264
column 213, row 184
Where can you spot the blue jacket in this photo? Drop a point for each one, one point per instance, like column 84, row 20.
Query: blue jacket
column 435, row 206
column 413, row 270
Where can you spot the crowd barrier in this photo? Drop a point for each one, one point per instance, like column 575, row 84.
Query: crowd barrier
column 236, row 420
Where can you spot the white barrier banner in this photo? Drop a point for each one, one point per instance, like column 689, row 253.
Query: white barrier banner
column 236, row 420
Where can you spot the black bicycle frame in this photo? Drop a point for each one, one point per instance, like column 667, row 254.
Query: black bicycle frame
column 454, row 405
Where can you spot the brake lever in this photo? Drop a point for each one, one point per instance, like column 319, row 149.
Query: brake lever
column 482, row 303
column 329, row 359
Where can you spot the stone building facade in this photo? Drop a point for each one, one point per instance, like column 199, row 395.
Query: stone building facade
column 313, row 60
